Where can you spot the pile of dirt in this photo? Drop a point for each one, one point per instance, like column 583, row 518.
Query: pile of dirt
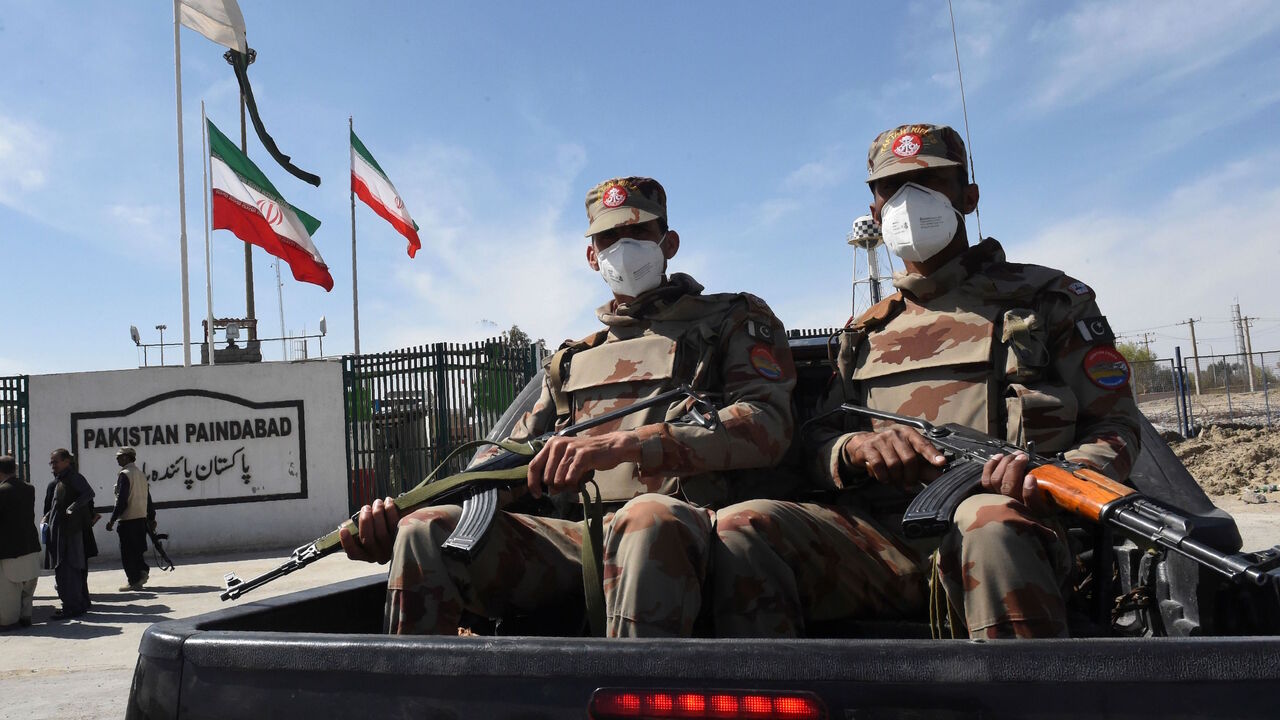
column 1227, row 460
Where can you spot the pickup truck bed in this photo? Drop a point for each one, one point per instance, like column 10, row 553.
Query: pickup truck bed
column 317, row 654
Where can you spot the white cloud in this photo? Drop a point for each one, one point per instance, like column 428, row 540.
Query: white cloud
column 828, row 172
column 146, row 230
column 804, row 183
column 24, row 159
column 1136, row 44
column 1186, row 256
column 770, row 211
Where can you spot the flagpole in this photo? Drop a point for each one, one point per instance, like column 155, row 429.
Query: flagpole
column 355, row 294
column 284, row 343
column 208, row 254
column 182, row 190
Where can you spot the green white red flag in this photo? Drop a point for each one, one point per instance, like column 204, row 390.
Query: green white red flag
column 246, row 203
column 370, row 183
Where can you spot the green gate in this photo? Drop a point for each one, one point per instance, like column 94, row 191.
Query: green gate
column 407, row 409
column 15, row 425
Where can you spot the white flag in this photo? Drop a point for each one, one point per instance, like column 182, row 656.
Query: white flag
column 218, row 20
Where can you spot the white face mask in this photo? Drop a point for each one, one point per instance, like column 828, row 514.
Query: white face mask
column 631, row 266
column 917, row 222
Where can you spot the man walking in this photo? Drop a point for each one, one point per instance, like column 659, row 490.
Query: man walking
column 136, row 513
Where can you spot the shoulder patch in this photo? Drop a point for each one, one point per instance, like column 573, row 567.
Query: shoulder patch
column 1096, row 331
column 1106, row 368
column 765, row 365
column 759, row 331
column 1079, row 288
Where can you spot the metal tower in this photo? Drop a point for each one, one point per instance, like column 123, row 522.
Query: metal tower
column 872, row 264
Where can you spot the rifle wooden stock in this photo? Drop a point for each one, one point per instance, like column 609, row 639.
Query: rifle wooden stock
column 1080, row 491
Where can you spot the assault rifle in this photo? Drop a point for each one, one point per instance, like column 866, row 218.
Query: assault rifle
column 1074, row 488
column 476, row 488
column 157, row 544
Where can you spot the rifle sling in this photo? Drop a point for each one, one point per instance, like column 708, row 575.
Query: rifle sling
column 592, row 549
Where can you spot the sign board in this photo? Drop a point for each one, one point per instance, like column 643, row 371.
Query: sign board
column 198, row 447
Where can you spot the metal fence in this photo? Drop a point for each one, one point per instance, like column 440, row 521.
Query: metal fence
column 15, row 426
column 1237, row 388
column 406, row 410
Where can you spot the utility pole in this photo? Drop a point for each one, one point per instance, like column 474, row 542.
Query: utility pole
column 1146, row 343
column 1247, row 322
column 1195, row 353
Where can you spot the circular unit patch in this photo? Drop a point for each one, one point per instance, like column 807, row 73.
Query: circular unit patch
column 1106, row 368
column 907, row 145
column 614, row 196
column 764, row 364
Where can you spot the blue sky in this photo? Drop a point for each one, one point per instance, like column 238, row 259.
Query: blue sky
column 1133, row 144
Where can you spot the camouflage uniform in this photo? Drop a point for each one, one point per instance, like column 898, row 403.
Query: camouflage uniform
column 929, row 352
column 657, row 539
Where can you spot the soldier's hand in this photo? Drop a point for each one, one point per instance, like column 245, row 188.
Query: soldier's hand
column 377, row 525
column 897, row 455
column 564, row 462
column 1007, row 475
column 111, row 525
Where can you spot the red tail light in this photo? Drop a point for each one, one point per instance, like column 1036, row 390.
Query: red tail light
column 621, row 704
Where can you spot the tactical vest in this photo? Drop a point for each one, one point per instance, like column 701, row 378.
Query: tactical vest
column 138, row 489
column 979, row 355
column 615, row 368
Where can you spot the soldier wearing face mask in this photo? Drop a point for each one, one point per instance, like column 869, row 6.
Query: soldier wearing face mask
column 660, row 480
column 1017, row 351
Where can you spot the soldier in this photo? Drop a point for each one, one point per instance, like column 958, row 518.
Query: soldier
column 662, row 480
column 1018, row 351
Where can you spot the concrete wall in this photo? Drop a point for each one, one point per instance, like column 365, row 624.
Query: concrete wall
column 239, row 457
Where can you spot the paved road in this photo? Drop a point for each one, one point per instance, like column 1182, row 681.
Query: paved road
column 83, row 668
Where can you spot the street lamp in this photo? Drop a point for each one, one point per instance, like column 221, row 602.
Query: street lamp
column 162, row 328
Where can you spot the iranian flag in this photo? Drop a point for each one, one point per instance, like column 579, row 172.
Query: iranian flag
column 371, row 184
column 246, row 203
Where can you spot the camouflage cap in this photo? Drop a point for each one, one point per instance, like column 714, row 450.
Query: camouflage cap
column 913, row 147
column 624, row 201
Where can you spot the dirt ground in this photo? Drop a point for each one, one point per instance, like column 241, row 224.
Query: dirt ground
column 1239, row 467
column 1229, row 460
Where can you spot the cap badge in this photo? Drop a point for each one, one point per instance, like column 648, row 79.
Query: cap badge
column 614, row 196
column 908, row 145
